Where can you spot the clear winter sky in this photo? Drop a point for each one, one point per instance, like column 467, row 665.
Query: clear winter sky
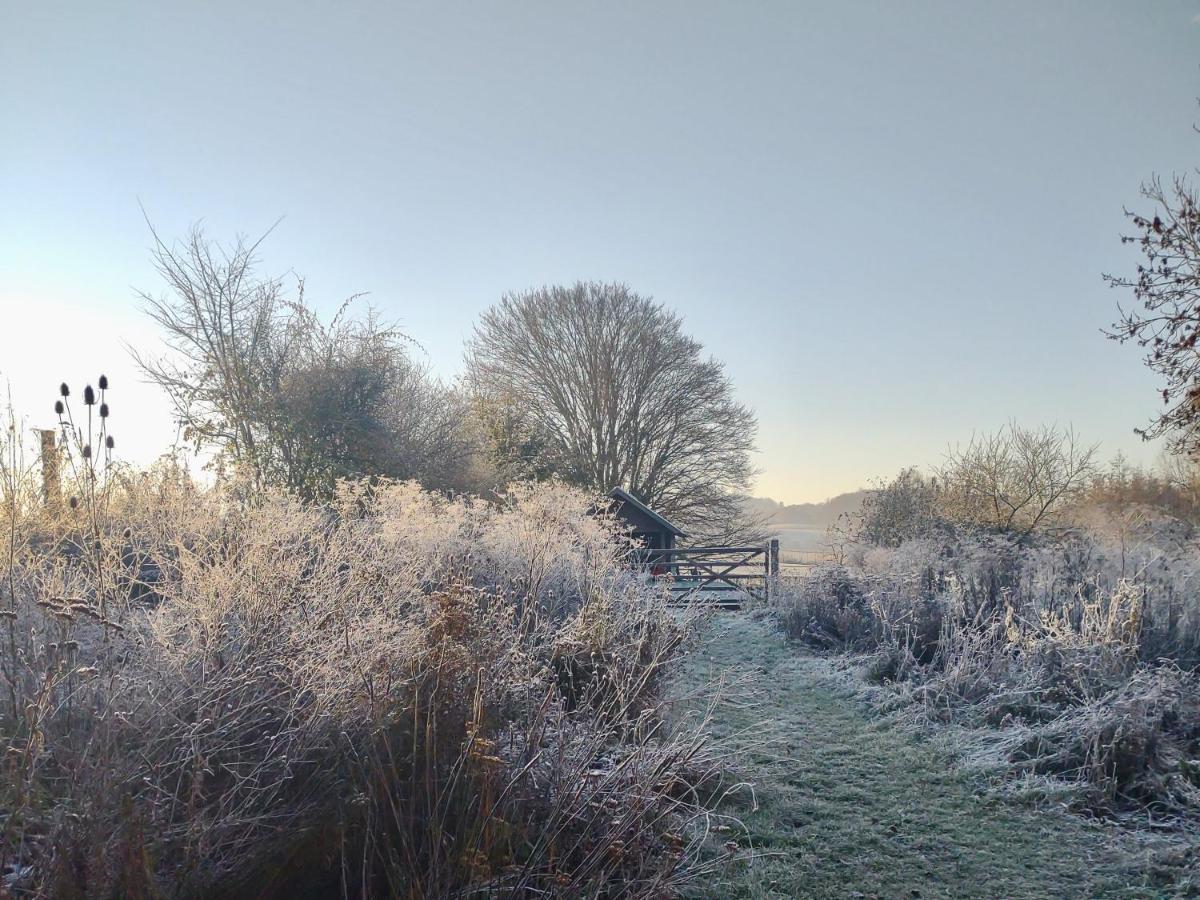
column 888, row 219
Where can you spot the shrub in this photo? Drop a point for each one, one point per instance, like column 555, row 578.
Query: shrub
column 828, row 609
column 1072, row 658
column 393, row 693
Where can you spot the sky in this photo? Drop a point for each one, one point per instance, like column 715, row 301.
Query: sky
column 888, row 219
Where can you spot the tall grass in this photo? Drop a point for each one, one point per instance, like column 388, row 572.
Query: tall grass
column 396, row 693
column 1068, row 665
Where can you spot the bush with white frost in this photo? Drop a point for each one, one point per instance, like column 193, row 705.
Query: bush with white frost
column 1072, row 658
column 393, row 693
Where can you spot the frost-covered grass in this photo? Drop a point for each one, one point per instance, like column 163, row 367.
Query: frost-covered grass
column 1067, row 668
column 206, row 693
column 840, row 802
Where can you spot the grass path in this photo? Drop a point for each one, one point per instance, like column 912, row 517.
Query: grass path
column 847, row 807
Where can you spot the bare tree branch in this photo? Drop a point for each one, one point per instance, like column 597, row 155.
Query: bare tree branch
column 287, row 399
column 1016, row 480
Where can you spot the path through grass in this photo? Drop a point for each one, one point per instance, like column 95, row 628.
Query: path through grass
column 848, row 807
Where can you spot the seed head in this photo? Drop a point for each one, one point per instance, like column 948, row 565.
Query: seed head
column 58, row 407
column 103, row 382
column 64, row 390
column 104, row 410
column 89, row 396
column 74, row 502
column 87, row 451
column 108, row 442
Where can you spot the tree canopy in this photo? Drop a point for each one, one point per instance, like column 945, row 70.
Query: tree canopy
column 602, row 386
column 255, row 375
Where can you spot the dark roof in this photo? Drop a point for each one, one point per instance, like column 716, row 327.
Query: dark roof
column 624, row 496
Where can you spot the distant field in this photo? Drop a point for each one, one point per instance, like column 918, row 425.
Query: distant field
column 800, row 537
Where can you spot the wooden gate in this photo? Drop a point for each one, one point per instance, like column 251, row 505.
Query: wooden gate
column 730, row 573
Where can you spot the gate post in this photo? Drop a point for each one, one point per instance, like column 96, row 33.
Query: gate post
column 770, row 566
column 51, row 481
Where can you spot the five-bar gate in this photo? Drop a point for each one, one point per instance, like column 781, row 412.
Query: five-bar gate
column 733, row 573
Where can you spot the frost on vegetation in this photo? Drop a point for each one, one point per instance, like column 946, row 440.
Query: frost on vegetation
column 397, row 692
column 1068, row 663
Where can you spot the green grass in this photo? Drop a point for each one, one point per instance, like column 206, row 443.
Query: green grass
column 848, row 807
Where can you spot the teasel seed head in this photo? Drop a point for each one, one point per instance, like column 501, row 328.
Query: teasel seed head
column 89, row 396
column 64, row 390
column 58, row 407
column 103, row 382
column 87, row 451
column 104, row 410
column 73, row 503
column 109, row 442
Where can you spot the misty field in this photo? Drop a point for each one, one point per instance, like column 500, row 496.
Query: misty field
column 801, row 537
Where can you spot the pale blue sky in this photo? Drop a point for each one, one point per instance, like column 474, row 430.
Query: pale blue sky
column 888, row 219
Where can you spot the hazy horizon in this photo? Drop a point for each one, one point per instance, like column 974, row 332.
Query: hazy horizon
column 889, row 222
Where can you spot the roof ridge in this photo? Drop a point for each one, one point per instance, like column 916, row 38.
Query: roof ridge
column 620, row 493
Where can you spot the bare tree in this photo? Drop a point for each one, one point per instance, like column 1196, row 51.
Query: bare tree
column 1182, row 473
column 432, row 433
column 1167, row 288
column 348, row 400
column 1015, row 480
column 286, row 398
column 217, row 321
column 603, row 387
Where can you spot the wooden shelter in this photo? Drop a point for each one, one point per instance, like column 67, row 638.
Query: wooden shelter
column 655, row 531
